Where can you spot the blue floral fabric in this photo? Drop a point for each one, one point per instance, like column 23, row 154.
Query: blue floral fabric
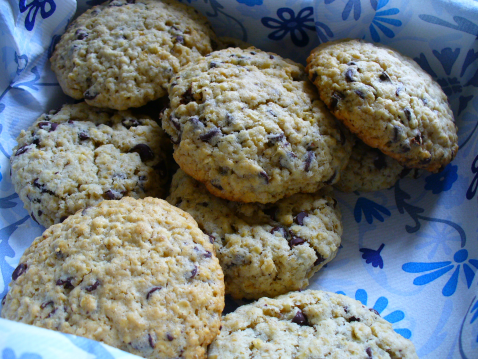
column 410, row 252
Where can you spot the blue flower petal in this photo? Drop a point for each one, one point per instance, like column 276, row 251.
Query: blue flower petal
column 380, row 304
column 278, row 34
column 469, row 274
column 430, row 277
column 393, row 22
column 418, row 267
column 388, row 12
column 450, row 287
column 406, row 333
column 272, row 23
column 374, row 33
column 387, row 32
column 395, row 316
column 361, row 296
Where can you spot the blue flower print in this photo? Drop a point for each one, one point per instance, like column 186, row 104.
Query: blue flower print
column 288, row 22
column 470, row 193
column 370, row 209
column 438, row 269
column 46, row 8
column 442, row 181
column 379, row 306
column 381, row 18
column 450, row 85
column 250, row 2
column 319, row 26
column 373, row 256
column 8, row 353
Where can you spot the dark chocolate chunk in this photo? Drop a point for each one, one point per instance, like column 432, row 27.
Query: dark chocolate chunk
column 194, row 272
column 187, row 97
column 51, row 126
column 21, row 268
column 353, row 319
column 151, row 291
column 212, row 65
column 112, row 194
column 179, row 39
column 92, row 287
column 211, row 238
column 399, row 89
column 319, row 259
column 380, row 162
column 169, row 337
column 308, row 160
column 46, row 304
column 66, row 283
column 384, row 77
column 150, row 340
column 300, row 318
column 194, row 120
column 265, row 176
column 396, row 133
column 425, row 101
column 280, row 229
column 274, row 138
column 90, row 95
column 425, row 161
column 271, row 57
column 208, row 254
column 408, row 114
column 336, row 97
column 83, row 136
column 296, row 241
column 299, row 219
column 36, row 141
column 218, row 186
column 81, row 34
column 352, row 63
column 40, row 212
column 417, row 140
column 349, row 75
column 360, row 94
column 51, row 313
column 22, row 150
column 332, row 178
column 346, row 309
column 210, row 134
column 369, row 352
column 374, row 311
column 144, row 152
column 131, row 122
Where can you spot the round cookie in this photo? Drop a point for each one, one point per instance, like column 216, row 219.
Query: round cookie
column 264, row 250
column 135, row 274
column 369, row 169
column 387, row 100
column 81, row 155
column 309, row 324
column 250, row 126
column 123, row 53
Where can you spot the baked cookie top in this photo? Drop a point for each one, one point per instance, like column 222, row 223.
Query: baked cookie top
column 309, row 324
column 264, row 250
column 250, row 126
column 135, row 274
column 369, row 169
column 123, row 53
column 76, row 157
column 387, row 100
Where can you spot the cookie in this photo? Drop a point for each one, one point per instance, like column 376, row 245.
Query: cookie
column 250, row 126
column 309, row 324
column 81, row 155
column 138, row 275
column 387, row 100
column 123, row 53
column 369, row 169
column 264, row 250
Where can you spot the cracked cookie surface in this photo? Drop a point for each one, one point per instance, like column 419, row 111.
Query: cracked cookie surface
column 307, row 325
column 76, row 157
column 264, row 250
column 387, row 100
column 123, row 53
column 250, row 126
column 135, row 274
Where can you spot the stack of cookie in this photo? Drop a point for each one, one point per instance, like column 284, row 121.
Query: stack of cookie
column 251, row 208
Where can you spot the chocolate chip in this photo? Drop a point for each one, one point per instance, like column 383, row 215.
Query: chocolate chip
column 271, row 212
column 92, row 287
column 332, row 178
column 408, row 114
column 46, row 304
column 112, row 194
column 62, row 218
column 280, row 229
column 150, row 340
column 296, row 241
column 374, row 311
column 81, row 34
column 271, row 57
column 274, row 138
column 51, row 313
column 425, row 101
column 300, row 318
column 66, row 283
column 399, row 89
column 265, row 176
column 187, row 97
column 360, row 94
column 218, row 186
column 83, row 136
column 131, row 122
column 396, row 133
column 349, row 75
column 417, row 140
column 4, row 299
column 212, row 65
column 90, row 95
column 194, row 120
column 314, row 76
column 36, row 141
column 22, row 150
column 211, row 238
column 369, row 352
column 194, row 272
column 352, row 63
column 179, row 39
column 319, row 259
column 169, row 337
column 208, row 254
column 21, row 268
column 336, row 97
column 426, row 161
column 210, row 134
column 151, row 291
column 144, row 152
column 51, row 126
column 83, row 212
column 299, row 219
column 346, row 309
column 384, row 77
column 380, row 161
column 308, row 160
column 353, row 319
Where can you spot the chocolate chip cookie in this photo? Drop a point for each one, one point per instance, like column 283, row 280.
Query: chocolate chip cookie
column 138, row 275
column 76, row 157
column 123, row 53
column 309, row 324
column 250, row 126
column 387, row 100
